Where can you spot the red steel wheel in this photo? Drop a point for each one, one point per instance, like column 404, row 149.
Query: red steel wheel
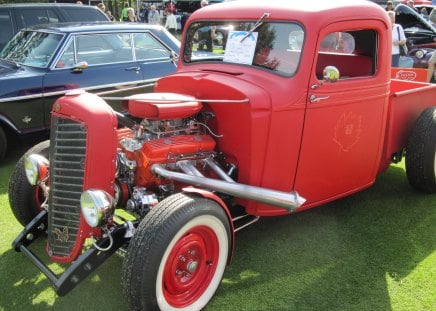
column 177, row 257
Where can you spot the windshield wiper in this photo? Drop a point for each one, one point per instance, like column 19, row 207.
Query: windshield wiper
column 258, row 23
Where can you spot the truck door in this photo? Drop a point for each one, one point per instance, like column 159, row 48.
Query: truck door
column 344, row 120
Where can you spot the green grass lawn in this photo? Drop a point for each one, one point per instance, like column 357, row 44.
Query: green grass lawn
column 374, row 250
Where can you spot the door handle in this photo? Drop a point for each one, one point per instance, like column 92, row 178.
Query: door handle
column 314, row 99
column 136, row 68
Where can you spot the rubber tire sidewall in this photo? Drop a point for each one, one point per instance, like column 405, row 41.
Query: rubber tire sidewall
column 152, row 242
column 421, row 152
column 22, row 195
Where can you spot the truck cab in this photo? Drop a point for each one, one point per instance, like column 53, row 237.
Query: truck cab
column 294, row 123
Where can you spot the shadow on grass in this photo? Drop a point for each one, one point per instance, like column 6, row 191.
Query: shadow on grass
column 25, row 288
column 335, row 257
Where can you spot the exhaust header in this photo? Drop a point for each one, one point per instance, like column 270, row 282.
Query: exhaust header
column 289, row 201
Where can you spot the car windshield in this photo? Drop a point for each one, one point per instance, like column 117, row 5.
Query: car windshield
column 31, row 48
column 275, row 47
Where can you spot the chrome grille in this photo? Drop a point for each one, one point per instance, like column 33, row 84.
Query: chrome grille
column 67, row 161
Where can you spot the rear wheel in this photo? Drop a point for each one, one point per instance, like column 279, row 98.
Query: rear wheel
column 25, row 200
column 421, row 152
column 177, row 256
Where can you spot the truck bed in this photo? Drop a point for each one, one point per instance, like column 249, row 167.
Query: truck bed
column 407, row 100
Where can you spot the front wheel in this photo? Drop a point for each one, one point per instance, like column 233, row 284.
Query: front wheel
column 177, row 257
column 421, row 152
column 25, row 200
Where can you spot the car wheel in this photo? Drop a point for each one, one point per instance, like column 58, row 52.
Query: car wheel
column 421, row 152
column 25, row 200
column 177, row 257
column 3, row 143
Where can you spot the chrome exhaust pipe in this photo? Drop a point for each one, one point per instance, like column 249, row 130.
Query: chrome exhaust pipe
column 289, row 201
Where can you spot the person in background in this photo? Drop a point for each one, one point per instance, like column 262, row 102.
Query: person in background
column 432, row 17
column 102, row 8
column 171, row 22
column 424, row 13
column 203, row 3
column 124, row 15
column 109, row 14
column 431, row 70
column 411, row 5
column 131, row 17
column 143, row 13
column 389, row 6
column 207, row 34
column 398, row 38
column 171, row 7
column 153, row 16
column 79, row 2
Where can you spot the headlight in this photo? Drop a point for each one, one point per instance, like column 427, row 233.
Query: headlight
column 96, row 206
column 36, row 168
column 419, row 54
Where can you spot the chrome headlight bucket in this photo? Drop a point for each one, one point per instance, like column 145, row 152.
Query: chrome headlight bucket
column 419, row 54
column 36, row 168
column 96, row 206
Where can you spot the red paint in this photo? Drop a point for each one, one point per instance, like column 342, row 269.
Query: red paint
column 181, row 285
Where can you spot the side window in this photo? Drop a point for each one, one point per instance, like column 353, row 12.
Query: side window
column 30, row 17
column 352, row 52
column 84, row 14
column 6, row 31
column 148, row 48
column 53, row 17
column 100, row 49
column 68, row 59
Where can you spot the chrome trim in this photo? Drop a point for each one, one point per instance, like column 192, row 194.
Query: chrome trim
column 39, row 95
column 242, row 101
column 289, row 201
column 126, row 89
column 148, row 83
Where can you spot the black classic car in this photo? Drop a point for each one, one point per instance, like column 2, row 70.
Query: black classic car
column 420, row 34
column 16, row 16
column 43, row 63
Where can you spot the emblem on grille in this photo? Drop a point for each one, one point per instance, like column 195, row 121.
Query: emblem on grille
column 62, row 235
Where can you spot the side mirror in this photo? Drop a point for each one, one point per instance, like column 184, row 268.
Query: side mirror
column 174, row 58
column 330, row 74
column 80, row 66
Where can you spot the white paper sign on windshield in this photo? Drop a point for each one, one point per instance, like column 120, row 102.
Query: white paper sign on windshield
column 240, row 52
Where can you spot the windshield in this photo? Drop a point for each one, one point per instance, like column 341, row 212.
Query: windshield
column 31, row 48
column 275, row 47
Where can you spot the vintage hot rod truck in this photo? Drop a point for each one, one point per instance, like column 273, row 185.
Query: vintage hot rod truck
column 296, row 109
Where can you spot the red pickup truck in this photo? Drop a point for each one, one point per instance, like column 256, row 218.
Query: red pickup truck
column 295, row 109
